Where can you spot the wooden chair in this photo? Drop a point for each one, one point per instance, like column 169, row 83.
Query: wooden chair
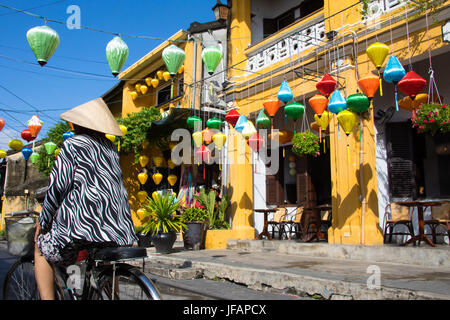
column 440, row 216
column 394, row 215
column 325, row 220
column 279, row 217
column 294, row 225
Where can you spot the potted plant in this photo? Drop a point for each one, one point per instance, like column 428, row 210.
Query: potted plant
column 215, row 210
column 144, row 240
column 193, row 235
column 162, row 222
column 432, row 118
column 305, row 143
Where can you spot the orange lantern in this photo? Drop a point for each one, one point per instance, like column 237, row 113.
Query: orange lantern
column 207, row 135
column 318, row 103
column 172, row 179
column 34, row 125
column 369, row 85
column 271, row 106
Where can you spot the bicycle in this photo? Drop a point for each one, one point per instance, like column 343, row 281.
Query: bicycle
column 98, row 274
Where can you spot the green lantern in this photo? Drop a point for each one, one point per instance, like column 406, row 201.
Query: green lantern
column 294, row 110
column 173, row 57
column 211, row 57
column 50, row 147
column 214, row 123
column 116, row 54
column 191, row 121
column 262, row 120
column 34, row 157
column 358, row 103
column 43, row 40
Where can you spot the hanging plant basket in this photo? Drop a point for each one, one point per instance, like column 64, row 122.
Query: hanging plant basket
column 432, row 118
column 305, row 143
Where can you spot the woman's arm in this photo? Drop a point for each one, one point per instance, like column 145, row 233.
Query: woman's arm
column 61, row 180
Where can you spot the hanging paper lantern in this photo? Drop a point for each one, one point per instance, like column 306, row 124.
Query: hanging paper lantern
column 154, row 82
column 214, row 123
column 2, row 154
column 369, row 85
column 172, row 179
column 315, row 126
column 43, row 40
column 166, row 76
column 194, row 122
column 148, row 81
column 35, row 125
column 411, row 84
column 144, row 89
column 181, row 70
column 142, row 196
column 318, row 103
column 157, row 178
column 57, row 150
column 111, row 137
column 50, row 147
column 34, row 157
column 26, row 152
column 141, row 212
column 322, row 121
column 198, row 138
column 15, row 144
column 159, row 74
column 285, row 93
column 240, row 124
column 69, row 134
column 116, row 54
column 294, row 110
column 134, row 95
column 207, row 135
column 232, row 117
column 377, row 53
column 271, row 106
column 248, row 130
column 327, row 85
column 203, row 154
column 26, row 135
column 256, row 142
column 142, row 177
column 219, row 140
column 143, row 160
column 393, row 73
column 137, row 86
column 2, row 123
column 155, row 195
column 173, row 57
column 262, row 120
column 123, row 129
column 158, row 161
column 211, row 58
column 347, row 120
column 358, row 103
column 337, row 102
column 281, row 136
column 171, row 164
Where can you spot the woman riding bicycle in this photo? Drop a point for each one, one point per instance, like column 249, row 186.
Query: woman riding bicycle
column 86, row 201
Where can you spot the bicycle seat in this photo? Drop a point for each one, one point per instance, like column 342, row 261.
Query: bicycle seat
column 120, row 253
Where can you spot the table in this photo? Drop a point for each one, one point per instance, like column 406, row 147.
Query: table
column 265, row 231
column 420, row 207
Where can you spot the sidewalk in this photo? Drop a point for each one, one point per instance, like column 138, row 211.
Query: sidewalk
column 307, row 270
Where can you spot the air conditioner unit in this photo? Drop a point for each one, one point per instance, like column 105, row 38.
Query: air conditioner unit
column 209, row 94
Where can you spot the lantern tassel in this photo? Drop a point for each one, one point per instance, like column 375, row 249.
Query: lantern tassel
column 33, row 145
column 320, row 134
column 381, row 88
column 396, row 102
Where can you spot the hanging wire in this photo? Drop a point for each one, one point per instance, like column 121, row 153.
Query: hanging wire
column 407, row 34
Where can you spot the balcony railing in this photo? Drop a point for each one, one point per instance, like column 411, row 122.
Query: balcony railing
column 377, row 8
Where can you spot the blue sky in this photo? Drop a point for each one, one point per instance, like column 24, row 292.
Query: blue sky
column 25, row 87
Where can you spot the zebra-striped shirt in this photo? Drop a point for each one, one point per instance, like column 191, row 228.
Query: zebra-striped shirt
column 86, row 198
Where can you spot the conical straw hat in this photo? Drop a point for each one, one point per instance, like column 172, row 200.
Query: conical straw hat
column 94, row 115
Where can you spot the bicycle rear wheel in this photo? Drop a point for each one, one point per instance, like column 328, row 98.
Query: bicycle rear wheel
column 20, row 283
column 129, row 283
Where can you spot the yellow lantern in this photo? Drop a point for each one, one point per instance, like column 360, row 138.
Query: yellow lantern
column 148, row 81
column 166, row 76
column 134, row 95
column 181, row 70
column 377, row 53
column 159, row 74
column 219, row 140
column 172, row 179
column 123, row 129
column 138, row 87
column 57, row 151
column 157, row 178
column 142, row 196
column 198, row 138
column 2, row 154
column 155, row 195
column 347, row 120
column 171, row 164
column 155, row 82
column 142, row 177
column 111, row 137
column 143, row 160
column 141, row 213
column 144, row 89
column 323, row 122
column 158, row 161
column 15, row 144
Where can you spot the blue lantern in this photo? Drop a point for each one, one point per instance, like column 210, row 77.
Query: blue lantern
column 26, row 152
column 67, row 135
column 240, row 124
column 337, row 102
column 285, row 93
column 393, row 73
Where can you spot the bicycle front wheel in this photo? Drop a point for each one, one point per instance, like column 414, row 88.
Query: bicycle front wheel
column 20, row 282
column 126, row 283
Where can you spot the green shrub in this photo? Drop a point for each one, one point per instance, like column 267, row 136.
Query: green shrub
column 194, row 214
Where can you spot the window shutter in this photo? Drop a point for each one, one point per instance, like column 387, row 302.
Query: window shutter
column 400, row 160
column 274, row 186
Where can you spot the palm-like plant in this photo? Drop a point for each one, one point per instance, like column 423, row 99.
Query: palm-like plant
column 162, row 215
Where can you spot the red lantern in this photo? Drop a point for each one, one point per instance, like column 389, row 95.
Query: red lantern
column 204, row 154
column 412, row 84
column 26, row 135
column 232, row 117
column 318, row 103
column 2, row 123
column 327, row 85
